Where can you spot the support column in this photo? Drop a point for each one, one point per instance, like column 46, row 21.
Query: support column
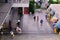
column 23, row 10
column 16, row 1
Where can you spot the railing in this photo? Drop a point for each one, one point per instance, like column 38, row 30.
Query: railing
column 16, row 1
column 20, row 1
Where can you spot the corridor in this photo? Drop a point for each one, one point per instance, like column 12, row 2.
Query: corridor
column 29, row 26
column 33, row 30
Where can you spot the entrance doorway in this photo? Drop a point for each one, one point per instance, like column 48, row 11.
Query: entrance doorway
column 6, row 1
column 26, row 10
column 20, row 12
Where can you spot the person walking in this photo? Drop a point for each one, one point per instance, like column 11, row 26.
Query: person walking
column 18, row 23
column 11, row 29
column 46, row 16
column 10, row 26
column 12, row 34
column 34, row 18
column 37, row 18
column 41, row 21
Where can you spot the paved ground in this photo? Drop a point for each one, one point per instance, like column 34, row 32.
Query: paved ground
column 38, row 37
column 14, row 17
column 29, row 26
column 4, row 7
column 33, row 37
column 33, row 30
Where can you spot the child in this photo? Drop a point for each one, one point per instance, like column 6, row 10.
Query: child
column 41, row 21
column 37, row 18
column 34, row 18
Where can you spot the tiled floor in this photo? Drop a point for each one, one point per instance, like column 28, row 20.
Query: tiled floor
column 33, row 37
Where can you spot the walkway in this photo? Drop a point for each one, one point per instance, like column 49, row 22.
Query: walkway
column 34, row 30
column 29, row 26
column 33, row 37
column 14, row 17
